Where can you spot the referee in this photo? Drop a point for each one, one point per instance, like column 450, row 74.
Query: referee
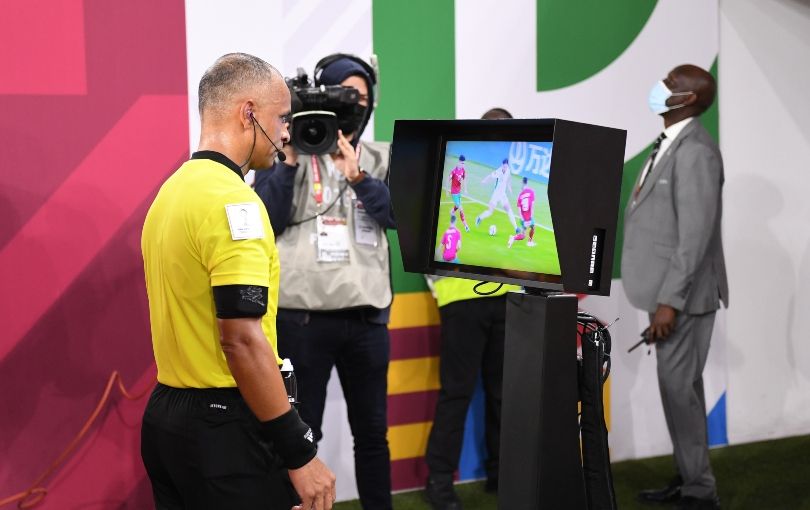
column 218, row 431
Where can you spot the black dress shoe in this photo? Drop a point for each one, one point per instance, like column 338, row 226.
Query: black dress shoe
column 440, row 494
column 669, row 494
column 692, row 503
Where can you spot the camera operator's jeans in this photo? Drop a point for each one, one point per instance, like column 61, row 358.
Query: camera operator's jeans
column 315, row 342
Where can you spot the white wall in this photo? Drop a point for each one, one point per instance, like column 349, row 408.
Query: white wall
column 764, row 72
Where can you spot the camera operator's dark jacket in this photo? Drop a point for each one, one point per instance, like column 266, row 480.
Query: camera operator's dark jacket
column 364, row 282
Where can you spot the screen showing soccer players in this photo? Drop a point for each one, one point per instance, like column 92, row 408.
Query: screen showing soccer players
column 494, row 208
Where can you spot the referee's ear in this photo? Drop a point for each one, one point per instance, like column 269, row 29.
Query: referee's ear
column 246, row 114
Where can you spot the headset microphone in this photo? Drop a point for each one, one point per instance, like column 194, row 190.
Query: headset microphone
column 281, row 156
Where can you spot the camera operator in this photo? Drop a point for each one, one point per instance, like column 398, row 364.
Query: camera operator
column 329, row 213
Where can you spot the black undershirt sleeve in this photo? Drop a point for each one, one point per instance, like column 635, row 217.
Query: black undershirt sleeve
column 240, row 301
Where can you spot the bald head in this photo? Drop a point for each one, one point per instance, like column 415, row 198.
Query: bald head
column 237, row 94
column 692, row 78
column 232, row 78
column 496, row 114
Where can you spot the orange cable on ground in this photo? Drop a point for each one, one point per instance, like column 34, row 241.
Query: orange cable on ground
column 36, row 493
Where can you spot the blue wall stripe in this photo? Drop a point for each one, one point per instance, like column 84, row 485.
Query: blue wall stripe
column 716, row 423
column 474, row 450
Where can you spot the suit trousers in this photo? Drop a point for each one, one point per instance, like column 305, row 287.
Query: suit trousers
column 681, row 359
column 472, row 343
column 317, row 341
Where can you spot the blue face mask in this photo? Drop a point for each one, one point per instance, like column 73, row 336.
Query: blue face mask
column 658, row 98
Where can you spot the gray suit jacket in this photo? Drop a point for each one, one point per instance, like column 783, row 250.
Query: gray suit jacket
column 672, row 252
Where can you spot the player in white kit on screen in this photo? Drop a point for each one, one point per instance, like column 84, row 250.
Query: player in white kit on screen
column 500, row 195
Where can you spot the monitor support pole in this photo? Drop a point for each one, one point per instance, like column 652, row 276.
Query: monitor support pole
column 540, row 459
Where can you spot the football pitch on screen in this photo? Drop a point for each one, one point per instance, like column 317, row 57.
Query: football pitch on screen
column 478, row 247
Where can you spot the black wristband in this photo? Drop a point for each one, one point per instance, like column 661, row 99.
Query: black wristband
column 292, row 439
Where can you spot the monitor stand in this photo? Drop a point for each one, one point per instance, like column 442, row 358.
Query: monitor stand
column 540, row 459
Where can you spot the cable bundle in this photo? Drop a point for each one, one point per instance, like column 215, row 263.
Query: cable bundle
column 594, row 369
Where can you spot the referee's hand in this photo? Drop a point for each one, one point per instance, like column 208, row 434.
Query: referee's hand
column 315, row 485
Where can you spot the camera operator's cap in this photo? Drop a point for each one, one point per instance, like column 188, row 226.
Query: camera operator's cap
column 335, row 72
column 332, row 70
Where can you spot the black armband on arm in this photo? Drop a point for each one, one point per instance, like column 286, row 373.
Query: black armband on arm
column 292, row 439
column 240, row 301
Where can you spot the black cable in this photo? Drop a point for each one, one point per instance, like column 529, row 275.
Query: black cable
column 594, row 369
column 594, row 330
column 335, row 201
column 475, row 289
column 253, row 146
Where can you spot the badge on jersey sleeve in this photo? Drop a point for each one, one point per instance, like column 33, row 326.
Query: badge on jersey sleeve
column 245, row 221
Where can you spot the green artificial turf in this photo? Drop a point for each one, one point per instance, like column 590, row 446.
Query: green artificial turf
column 770, row 475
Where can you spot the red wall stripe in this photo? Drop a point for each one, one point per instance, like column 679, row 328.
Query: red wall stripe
column 415, row 342
column 408, row 473
column 411, row 407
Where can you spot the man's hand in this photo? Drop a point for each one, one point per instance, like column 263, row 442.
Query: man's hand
column 315, row 484
column 346, row 159
column 663, row 323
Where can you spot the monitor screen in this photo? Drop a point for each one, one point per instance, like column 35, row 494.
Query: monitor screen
column 493, row 208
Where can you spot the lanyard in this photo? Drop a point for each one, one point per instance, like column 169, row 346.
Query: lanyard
column 317, row 187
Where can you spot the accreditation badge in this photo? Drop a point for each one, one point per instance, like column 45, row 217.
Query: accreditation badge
column 333, row 239
column 366, row 229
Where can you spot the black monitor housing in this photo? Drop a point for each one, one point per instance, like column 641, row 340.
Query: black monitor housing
column 584, row 184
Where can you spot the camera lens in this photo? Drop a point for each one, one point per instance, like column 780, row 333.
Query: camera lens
column 315, row 132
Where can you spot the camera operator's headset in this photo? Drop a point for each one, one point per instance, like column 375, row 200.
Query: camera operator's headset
column 372, row 69
column 373, row 73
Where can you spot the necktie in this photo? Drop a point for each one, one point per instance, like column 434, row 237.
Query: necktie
column 648, row 168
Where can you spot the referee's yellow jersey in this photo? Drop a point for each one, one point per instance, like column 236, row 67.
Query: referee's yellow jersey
column 205, row 228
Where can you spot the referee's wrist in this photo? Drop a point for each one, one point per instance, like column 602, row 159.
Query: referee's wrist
column 292, row 439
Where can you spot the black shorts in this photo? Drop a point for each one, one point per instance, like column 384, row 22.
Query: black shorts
column 202, row 451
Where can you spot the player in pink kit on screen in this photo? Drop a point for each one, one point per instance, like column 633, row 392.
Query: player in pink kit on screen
column 457, row 177
column 525, row 203
column 451, row 242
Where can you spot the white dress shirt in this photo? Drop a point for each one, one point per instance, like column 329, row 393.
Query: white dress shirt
column 672, row 132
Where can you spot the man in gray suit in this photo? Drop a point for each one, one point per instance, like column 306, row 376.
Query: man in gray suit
column 673, row 267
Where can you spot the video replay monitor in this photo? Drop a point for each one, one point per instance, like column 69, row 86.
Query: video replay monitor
column 529, row 202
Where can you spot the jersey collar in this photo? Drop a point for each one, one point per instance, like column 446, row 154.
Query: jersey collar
column 219, row 158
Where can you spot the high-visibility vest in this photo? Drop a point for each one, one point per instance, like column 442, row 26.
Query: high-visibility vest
column 449, row 290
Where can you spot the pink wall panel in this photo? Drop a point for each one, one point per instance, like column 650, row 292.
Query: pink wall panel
column 94, row 118
column 43, row 47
